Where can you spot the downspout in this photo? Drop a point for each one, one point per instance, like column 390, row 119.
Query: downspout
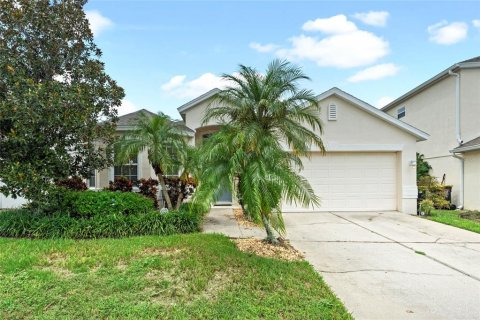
column 457, row 106
column 458, row 135
column 462, row 172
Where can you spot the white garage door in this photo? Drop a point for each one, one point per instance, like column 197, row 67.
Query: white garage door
column 351, row 181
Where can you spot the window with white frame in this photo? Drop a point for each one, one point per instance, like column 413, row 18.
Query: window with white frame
column 91, row 180
column 401, row 112
column 128, row 170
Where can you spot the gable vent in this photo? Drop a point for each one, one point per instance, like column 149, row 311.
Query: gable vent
column 332, row 112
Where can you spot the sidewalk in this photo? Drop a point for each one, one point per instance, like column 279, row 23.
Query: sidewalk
column 222, row 220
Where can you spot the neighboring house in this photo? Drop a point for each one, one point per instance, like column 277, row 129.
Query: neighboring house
column 447, row 106
column 370, row 158
column 139, row 167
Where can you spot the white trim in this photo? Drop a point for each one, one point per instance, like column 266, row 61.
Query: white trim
column 363, row 148
column 419, row 134
column 465, row 149
column 198, row 100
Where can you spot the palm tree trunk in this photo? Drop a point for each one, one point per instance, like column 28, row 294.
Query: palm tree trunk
column 164, row 191
column 268, row 227
column 179, row 201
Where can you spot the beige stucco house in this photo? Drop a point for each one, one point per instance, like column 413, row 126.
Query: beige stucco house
column 139, row 167
column 370, row 158
column 447, row 106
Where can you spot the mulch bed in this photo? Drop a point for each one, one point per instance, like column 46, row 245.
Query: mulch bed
column 242, row 220
column 471, row 215
column 282, row 251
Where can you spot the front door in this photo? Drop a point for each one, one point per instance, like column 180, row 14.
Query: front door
column 225, row 198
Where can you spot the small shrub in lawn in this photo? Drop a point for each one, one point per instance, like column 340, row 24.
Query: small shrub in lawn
column 120, row 184
column 91, row 203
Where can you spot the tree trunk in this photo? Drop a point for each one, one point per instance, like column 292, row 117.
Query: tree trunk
column 164, row 191
column 268, row 227
column 179, row 201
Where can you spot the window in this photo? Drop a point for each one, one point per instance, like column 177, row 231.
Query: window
column 128, row 170
column 401, row 113
column 91, row 179
column 173, row 168
column 332, row 112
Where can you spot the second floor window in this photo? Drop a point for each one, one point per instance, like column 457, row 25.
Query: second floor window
column 401, row 113
column 128, row 170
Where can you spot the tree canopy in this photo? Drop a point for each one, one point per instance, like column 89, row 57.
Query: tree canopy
column 58, row 106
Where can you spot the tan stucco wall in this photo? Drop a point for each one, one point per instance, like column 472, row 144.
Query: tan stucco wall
column 433, row 111
column 472, row 180
column 357, row 131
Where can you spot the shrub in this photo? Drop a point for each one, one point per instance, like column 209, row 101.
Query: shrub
column 426, row 206
column 148, row 188
column 91, row 203
column 120, row 184
column 429, row 188
column 27, row 224
column 179, row 189
column 73, row 183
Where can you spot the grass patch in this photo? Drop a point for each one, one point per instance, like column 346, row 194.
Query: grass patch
column 459, row 219
column 193, row 276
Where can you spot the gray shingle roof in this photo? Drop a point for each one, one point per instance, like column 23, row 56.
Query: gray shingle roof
column 469, row 145
column 129, row 120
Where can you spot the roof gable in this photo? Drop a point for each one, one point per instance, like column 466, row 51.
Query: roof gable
column 183, row 108
column 362, row 105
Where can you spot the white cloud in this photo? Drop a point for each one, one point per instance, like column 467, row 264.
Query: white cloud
column 343, row 46
column 376, row 72
column 347, row 50
column 448, row 33
column 98, row 22
column 383, row 101
column 373, row 18
column 127, row 107
column 174, row 82
column 193, row 88
column 263, row 47
column 333, row 25
column 476, row 23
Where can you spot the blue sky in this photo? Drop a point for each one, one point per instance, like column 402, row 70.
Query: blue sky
column 166, row 53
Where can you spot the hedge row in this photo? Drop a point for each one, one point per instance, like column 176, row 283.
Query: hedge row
column 101, row 215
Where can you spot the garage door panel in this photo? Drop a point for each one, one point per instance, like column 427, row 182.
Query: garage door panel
column 351, row 181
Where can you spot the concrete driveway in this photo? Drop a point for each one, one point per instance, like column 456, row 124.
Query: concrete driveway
column 391, row 265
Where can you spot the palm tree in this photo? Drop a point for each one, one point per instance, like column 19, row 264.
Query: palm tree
column 267, row 124
column 164, row 142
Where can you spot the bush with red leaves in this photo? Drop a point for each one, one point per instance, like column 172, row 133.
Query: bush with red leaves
column 179, row 189
column 148, row 188
column 120, row 184
column 74, row 183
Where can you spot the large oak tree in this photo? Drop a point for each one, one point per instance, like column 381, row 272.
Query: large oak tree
column 57, row 104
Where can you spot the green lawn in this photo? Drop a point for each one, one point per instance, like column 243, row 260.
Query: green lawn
column 194, row 276
column 452, row 218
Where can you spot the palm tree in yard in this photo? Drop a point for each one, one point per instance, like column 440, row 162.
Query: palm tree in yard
column 164, row 142
column 267, row 124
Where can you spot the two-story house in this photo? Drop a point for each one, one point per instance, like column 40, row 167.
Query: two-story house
column 447, row 107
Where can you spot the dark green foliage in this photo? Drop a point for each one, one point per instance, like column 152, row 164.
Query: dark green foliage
column 58, row 107
column 73, row 183
column 148, row 188
column 91, row 203
column 120, row 184
column 27, row 224
column 423, row 167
